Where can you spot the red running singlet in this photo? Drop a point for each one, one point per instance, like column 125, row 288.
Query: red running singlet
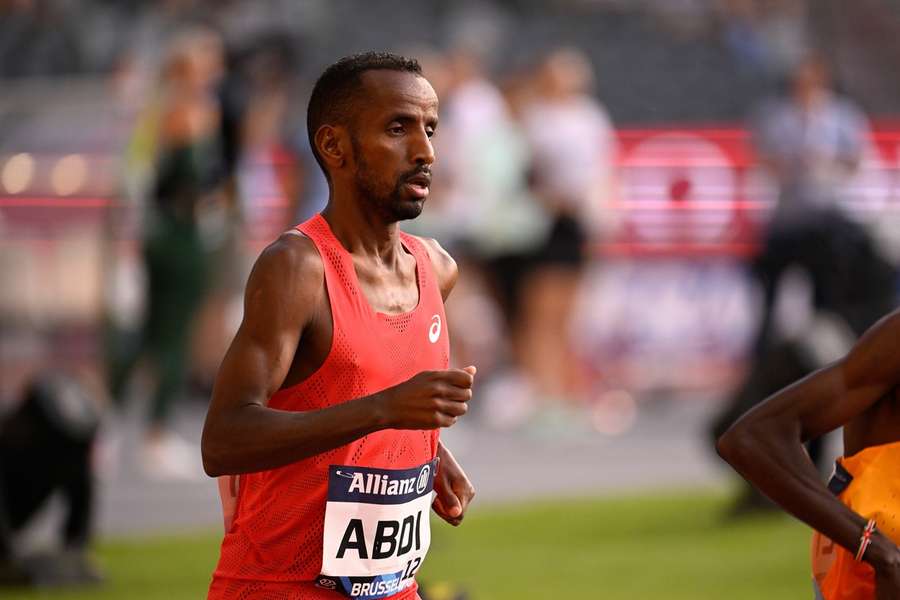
column 366, row 502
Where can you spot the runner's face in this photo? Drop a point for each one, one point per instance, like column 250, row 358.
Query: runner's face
column 391, row 139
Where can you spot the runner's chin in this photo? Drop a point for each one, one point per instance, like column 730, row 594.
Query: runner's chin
column 409, row 208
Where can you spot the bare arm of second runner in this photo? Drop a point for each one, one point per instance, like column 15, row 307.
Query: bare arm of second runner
column 765, row 445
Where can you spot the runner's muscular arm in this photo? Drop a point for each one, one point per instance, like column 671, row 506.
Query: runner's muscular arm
column 454, row 489
column 242, row 434
column 765, row 445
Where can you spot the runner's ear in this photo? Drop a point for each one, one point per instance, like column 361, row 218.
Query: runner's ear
column 329, row 143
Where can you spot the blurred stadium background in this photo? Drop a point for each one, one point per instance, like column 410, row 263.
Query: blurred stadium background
column 608, row 174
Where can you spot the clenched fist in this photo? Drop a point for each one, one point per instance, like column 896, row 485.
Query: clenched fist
column 428, row 400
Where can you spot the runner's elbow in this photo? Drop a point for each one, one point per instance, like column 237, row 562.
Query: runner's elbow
column 214, row 453
column 736, row 445
column 211, row 463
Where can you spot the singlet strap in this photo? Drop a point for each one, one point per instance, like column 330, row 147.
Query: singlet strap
column 428, row 283
column 340, row 277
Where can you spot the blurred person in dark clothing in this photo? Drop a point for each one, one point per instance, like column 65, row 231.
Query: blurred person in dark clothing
column 45, row 448
column 256, row 105
column 37, row 39
column 812, row 143
column 187, row 218
column 766, row 38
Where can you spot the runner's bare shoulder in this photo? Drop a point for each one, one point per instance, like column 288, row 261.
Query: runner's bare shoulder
column 288, row 274
column 876, row 357
column 444, row 265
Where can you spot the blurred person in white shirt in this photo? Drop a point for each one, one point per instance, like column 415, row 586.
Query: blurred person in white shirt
column 573, row 146
column 482, row 210
column 572, row 138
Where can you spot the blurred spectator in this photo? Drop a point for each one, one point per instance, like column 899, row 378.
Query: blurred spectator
column 260, row 186
column 741, row 34
column 37, row 39
column 265, row 171
column 482, row 209
column 45, row 447
column 186, row 220
column 812, row 142
column 769, row 37
column 478, row 156
column 573, row 145
column 684, row 18
column 784, row 27
column 572, row 138
column 476, row 208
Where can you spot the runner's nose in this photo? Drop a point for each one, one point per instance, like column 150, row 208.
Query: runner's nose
column 422, row 150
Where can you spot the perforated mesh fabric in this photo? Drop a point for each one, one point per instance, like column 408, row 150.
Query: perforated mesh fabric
column 274, row 547
column 400, row 323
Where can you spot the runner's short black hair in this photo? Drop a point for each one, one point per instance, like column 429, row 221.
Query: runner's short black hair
column 337, row 89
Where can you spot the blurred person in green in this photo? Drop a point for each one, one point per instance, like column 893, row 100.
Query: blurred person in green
column 185, row 220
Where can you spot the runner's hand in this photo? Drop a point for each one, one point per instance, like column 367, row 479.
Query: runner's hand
column 453, row 489
column 428, row 400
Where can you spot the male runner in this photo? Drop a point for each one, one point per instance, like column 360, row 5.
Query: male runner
column 851, row 561
column 329, row 400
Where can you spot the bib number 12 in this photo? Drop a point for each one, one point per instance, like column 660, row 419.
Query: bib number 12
column 411, row 567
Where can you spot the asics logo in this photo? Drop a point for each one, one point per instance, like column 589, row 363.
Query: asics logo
column 434, row 332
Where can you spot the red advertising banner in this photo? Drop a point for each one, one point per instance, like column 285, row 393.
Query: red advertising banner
column 689, row 191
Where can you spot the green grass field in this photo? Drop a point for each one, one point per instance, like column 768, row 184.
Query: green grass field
column 665, row 545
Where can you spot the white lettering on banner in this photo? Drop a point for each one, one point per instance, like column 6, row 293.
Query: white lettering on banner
column 380, row 588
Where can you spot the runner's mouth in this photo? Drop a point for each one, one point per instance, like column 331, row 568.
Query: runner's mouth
column 419, row 185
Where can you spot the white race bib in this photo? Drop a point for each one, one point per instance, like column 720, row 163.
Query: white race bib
column 377, row 529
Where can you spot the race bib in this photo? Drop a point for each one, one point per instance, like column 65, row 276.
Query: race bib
column 377, row 529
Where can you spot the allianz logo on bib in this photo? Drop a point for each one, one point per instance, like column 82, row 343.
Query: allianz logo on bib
column 379, row 486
